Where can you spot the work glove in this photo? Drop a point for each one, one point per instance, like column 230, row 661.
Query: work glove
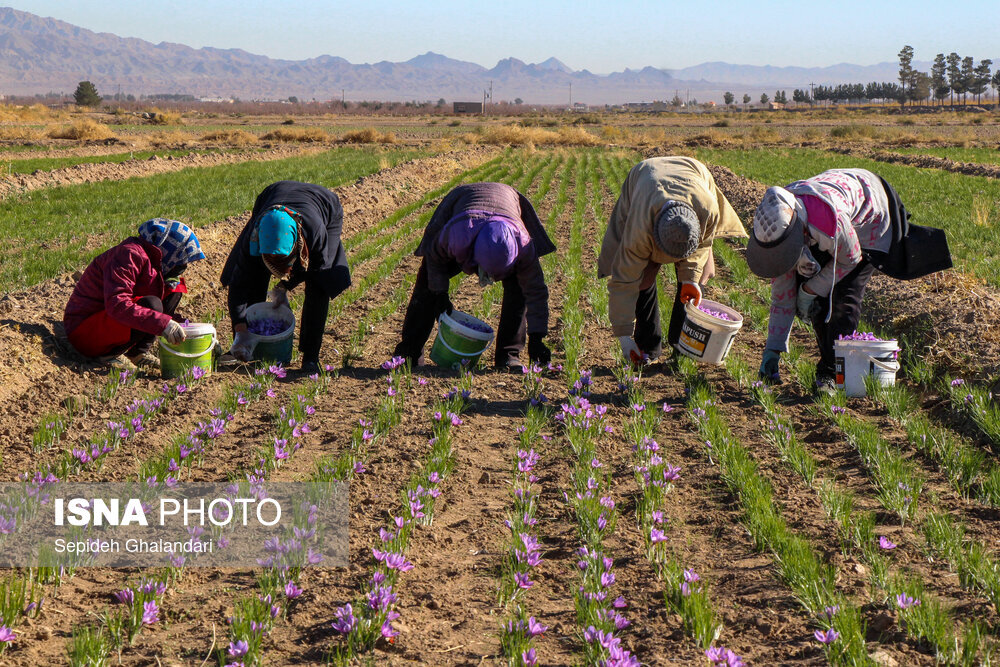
column 442, row 304
column 537, row 350
column 278, row 298
column 690, row 292
column 807, row 267
column 243, row 345
column 769, row 367
column 630, row 350
column 804, row 304
column 174, row 333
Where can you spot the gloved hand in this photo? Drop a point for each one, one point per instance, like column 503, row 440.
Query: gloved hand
column 630, row 350
column 442, row 304
column 278, row 298
column 174, row 333
column 807, row 267
column 690, row 292
column 243, row 345
column 537, row 350
column 803, row 303
column 769, row 366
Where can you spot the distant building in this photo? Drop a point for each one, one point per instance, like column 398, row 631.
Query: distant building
column 580, row 106
column 467, row 107
column 775, row 106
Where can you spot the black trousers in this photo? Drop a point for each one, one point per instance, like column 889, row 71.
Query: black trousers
column 140, row 342
column 648, row 328
column 315, row 309
column 421, row 315
column 847, row 296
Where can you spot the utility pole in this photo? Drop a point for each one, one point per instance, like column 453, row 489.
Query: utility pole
column 484, row 101
column 491, row 91
column 812, row 94
column 570, row 95
column 343, row 103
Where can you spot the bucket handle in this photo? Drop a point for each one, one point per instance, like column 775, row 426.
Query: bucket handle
column 464, row 354
column 891, row 367
column 189, row 355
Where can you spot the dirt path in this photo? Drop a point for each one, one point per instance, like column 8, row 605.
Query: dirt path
column 923, row 161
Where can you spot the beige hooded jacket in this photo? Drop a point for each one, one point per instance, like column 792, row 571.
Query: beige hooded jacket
column 629, row 246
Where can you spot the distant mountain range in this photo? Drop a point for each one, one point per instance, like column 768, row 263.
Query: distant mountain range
column 40, row 55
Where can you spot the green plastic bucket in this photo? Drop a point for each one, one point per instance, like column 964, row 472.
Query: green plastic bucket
column 461, row 339
column 194, row 351
column 276, row 348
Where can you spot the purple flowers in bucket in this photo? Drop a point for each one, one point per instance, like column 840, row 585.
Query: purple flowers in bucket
column 268, row 326
column 717, row 314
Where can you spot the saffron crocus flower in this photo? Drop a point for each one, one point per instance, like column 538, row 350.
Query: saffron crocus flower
column 535, row 628
column 150, row 613
column 238, row 649
column 398, row 562
column 827, row 637
column 292, row 591
column 346, row 622
column 6, row 634
column 529, row 658
column 522, row 580
column 126, row 596
column 691, row 576
column 904, row 601
column 830, row 612
column 359, row 468
column 721, row 656
column 885, row 543
column 656, row 536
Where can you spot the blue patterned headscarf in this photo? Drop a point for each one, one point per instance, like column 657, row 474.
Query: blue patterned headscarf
column 176, row 240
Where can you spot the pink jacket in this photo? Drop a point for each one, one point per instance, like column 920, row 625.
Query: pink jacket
column 114, row 281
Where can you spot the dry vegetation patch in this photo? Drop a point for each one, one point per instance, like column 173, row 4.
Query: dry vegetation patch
column 230, row 138
column 82, row 130
column 369, row 135
column 299, row 134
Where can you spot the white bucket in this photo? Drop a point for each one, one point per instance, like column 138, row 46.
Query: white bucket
column 855, row 359
column 706, row 338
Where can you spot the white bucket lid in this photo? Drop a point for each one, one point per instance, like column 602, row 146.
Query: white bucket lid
column 196, row 329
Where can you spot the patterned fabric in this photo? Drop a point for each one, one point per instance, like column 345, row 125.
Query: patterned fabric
column 773, row 214
column 175, row 240
column 847, row 212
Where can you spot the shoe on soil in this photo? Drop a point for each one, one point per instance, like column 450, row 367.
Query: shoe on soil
column 145, row 360
column 826, row 385
column 310, row 367
column 510, row 365
column 120, row 361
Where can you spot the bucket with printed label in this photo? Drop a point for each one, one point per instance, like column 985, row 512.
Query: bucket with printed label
column 707, row 335
column 197, row 349
column 855, row 359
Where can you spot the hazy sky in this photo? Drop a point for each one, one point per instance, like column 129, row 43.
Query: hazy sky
column 600, row 36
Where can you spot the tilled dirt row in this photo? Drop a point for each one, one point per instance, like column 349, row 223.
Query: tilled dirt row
column 923, row 161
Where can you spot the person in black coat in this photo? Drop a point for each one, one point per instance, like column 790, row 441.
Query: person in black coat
column 293, row 235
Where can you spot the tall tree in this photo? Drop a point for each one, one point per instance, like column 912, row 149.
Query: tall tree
column 728, row 98
column 86, row 95
column 954, row 74
column 968, row 75
column 764, row 99
column 746, row 99
column 905, row 68
column 996, row 83
column 981, row 78
column 938, row 81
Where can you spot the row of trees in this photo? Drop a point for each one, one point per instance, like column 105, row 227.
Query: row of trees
column 949, row 76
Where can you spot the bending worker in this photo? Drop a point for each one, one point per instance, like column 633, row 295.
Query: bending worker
column 293, row 235
column 489, row 230
column 129, row 294
column 819, row 240
column 669, row 212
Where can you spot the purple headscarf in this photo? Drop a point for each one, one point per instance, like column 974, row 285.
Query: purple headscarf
column 496, row 248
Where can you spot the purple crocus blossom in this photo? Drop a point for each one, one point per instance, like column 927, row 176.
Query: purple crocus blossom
column 827, row 637
column 6, row 634
column 150, row 613
column 522, row 580
column 904, row 601
column 885, row 543
column 292, row 591
column 529, row 657
column 238, row 649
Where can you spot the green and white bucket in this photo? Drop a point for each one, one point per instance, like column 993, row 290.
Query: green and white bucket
column 196, row 350
column 461, row 340
column 276, row 348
